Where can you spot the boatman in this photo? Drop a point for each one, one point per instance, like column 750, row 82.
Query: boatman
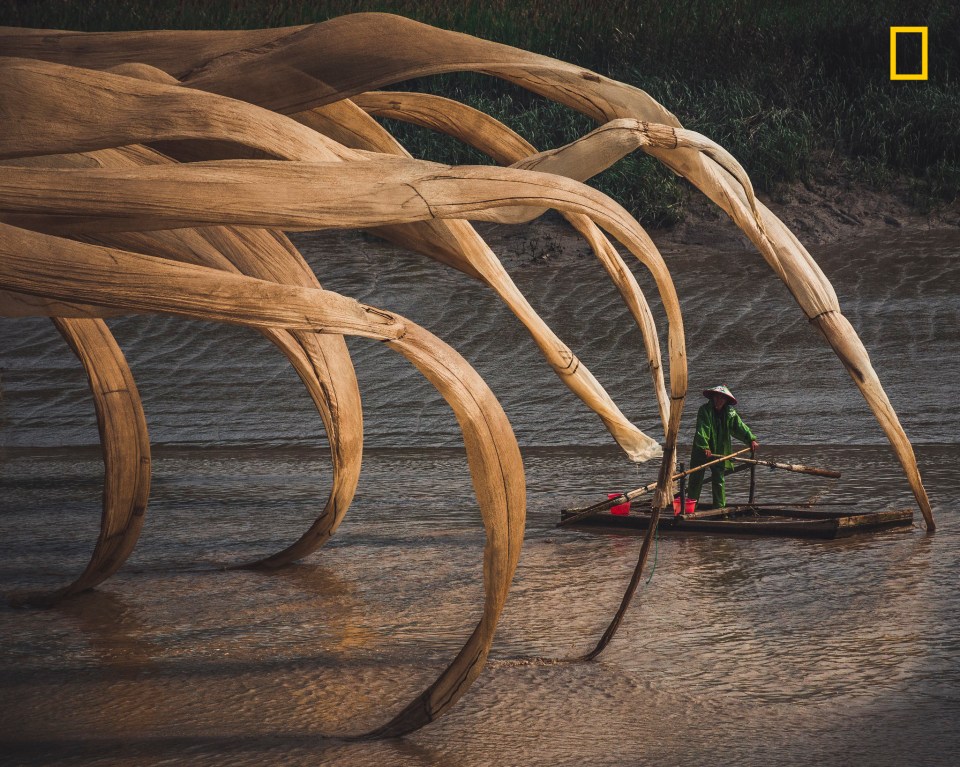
column 717, row 422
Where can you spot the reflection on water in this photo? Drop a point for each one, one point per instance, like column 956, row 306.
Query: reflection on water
column 176, row 655
column 738, row 651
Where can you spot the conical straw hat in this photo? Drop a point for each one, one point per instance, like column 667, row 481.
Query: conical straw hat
column 721, row 389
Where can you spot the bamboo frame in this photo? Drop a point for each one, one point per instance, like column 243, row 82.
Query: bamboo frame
column 157, row 172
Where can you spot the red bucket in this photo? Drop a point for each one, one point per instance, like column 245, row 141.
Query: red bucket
column 621, row 509
column 691, row 506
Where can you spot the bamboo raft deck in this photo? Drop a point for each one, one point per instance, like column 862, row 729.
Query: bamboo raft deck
column 769, row 519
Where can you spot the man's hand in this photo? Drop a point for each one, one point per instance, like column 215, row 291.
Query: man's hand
column 708, row 453
column 754, row 446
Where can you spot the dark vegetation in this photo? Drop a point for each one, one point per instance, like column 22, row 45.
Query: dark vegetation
column 790, row 88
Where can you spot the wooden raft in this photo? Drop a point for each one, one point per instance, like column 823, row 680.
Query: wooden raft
column 787, row 520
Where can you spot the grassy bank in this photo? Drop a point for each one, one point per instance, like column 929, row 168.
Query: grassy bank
column 783, row 86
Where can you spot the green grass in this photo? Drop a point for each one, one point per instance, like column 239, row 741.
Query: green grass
column 776, row 83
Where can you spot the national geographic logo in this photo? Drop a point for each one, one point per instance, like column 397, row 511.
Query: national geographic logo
column 908, row 53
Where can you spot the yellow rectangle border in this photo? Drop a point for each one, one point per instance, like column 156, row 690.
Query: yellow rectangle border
column 894, row 31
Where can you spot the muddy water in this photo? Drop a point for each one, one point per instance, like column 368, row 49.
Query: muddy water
column 737, row 651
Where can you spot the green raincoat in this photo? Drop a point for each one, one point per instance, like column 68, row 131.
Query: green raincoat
column 715, row 430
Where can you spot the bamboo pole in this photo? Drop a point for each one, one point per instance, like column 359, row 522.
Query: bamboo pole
column 125, row 445
column 631, row 588
column 625, row 497
column 796, row 467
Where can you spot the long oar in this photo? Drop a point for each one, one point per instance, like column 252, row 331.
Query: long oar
column 797, row 467
column 625, row 497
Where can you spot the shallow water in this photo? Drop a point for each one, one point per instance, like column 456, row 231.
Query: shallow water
column 737, row 651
